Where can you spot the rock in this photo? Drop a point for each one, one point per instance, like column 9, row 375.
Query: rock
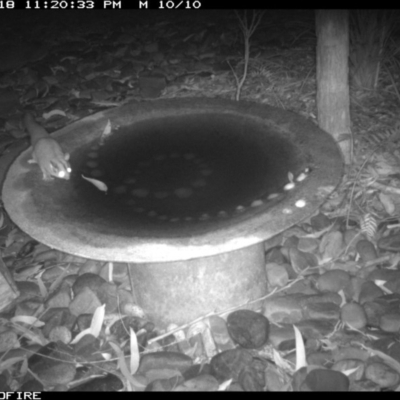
column 52, row 273
column 55, row 317
column 107, row 294
column 322, row 359
column 53, row 364
column 322, row 311
column 382, row 375
column 83, row 322
column 282, row 337
column 32, row 385
column 320, row 222
column 353, row 315
column 333, row 281
column 366, row 250
column 349, row 352
column 348, row 364
column 8, row 98
column 60, row 333
column 388, row 345
column 391, row 278
column 277, row 275
column 292, row 308
column 364, row 386
column 60, row 299
column 4, row 387
column 304, row 287
column 28, row 290
column 201, row 383
column 91, row 267
column 164, row 360
column 151, row 85
column 369, row 292
column 388, row 304
column 164, row 385
column 121, row 328
column 314, row 329
column 301, row 260
column 325, row 380
column 252, row 377
column 219, row 332
column 308, row 245
column 274, row 379
column 88, row 349
column 390, row 243
column 283, row 309
column 196, row 370
column 91, row 281
column 390, row 323
column 229, row 364
column 28, row 307
column 331, row 245
column 9, row 340
column 119, row 272
column 248, row 328
column 275, row 256
column 108, row 383
column 86, row 302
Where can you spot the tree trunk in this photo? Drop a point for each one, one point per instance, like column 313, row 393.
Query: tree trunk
column 333, row 100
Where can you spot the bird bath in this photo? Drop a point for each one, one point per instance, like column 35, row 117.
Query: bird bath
column 195, row 186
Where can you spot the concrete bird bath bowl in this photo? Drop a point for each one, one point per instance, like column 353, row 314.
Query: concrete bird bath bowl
column 194, row 188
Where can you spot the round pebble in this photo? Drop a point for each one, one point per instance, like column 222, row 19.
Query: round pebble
column 120, row 190
column 61, row 333
column 248, row 329
column 390, row 323
column 199, row 183
column 140, row 192
column 256, row 203
column 160, row 195
column 382, row 375
column 129, row 181
column 206, row 172
column 229, row 363
column 272, row 196
column 353, row 315
column 92, row 164
column 333, row 281
column 183, row 193
column 326, row 380
column 97, row 173
column 93, row 154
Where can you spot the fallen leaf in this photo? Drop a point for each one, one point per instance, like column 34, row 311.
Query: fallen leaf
column 100, row 185
column 301, row 360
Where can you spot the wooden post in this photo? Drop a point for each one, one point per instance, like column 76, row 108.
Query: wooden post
column 333, row 100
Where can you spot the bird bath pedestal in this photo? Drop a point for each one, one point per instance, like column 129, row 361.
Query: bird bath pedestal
column 194, row 188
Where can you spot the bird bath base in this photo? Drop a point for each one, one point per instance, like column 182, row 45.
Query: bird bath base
column 194, row 188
